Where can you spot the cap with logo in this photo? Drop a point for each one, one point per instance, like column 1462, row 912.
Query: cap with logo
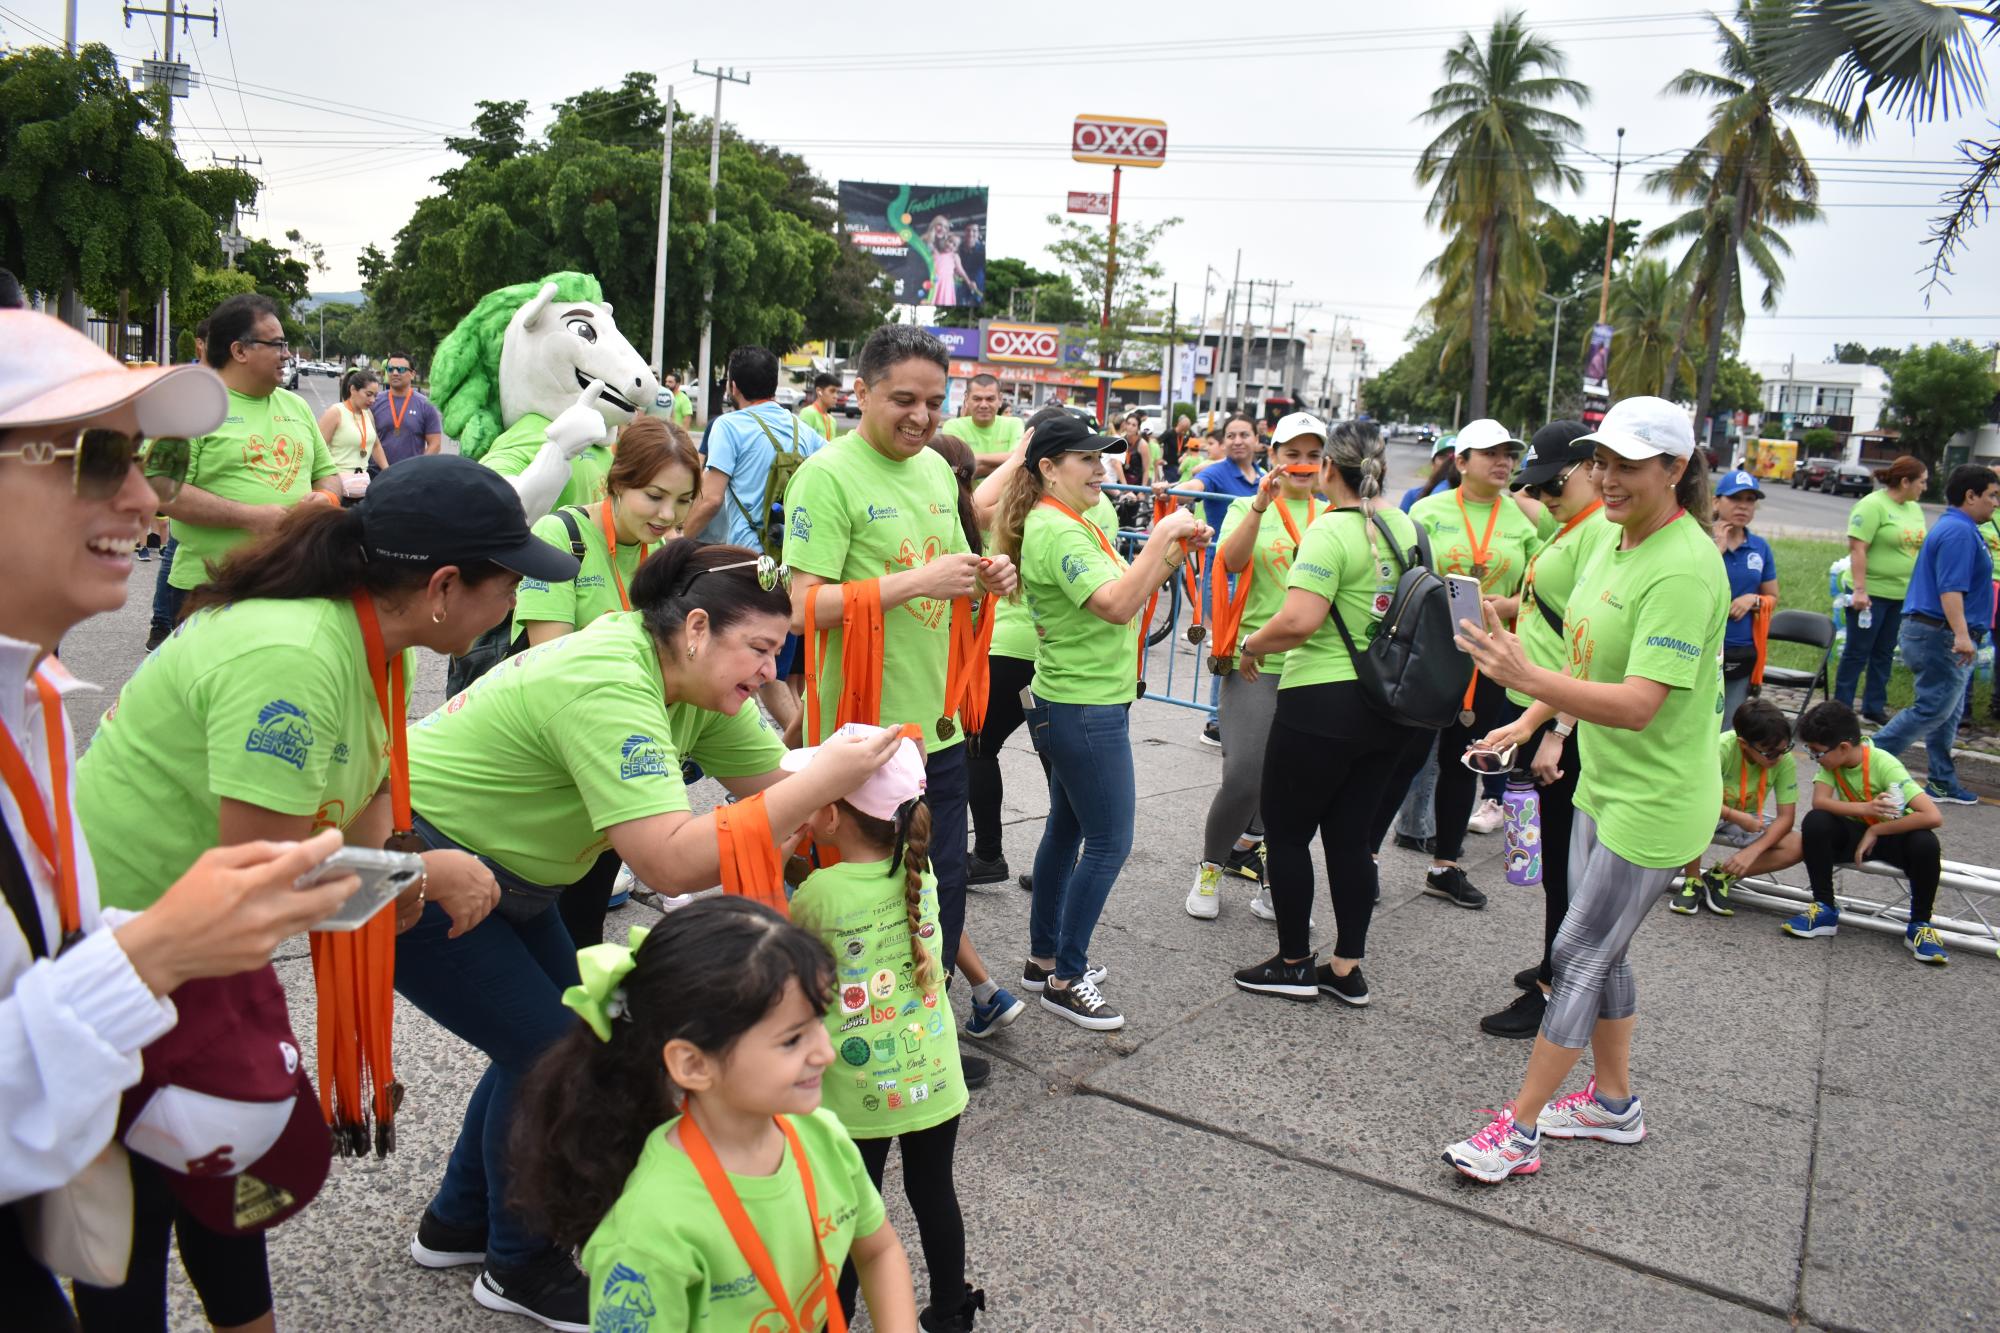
column 1645, row 427
column 1445, row 444
column 889, row 788
column 1062, row 433
column 1486, row 433
column 1738, row 482
column 1556, row 446
column 1294, row 424
column 442, row 509
column 51, row 374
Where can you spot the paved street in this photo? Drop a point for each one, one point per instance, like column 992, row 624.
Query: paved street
column 1230, row 1162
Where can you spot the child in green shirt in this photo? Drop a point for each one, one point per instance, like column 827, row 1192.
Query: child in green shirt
column 678, row 1135
column 1756, row 757
column 898, row 1078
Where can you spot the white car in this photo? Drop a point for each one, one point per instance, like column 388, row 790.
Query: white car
column 789, row 397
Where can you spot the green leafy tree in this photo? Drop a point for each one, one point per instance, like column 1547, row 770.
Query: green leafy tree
column 1016, row 289
column 1817, row 442
column 1737, row 387
column 1938, row 391
column 1854, row 354
column 1501, row 145
column 1410, row 388
column 1646, row 303
column 1081, row 250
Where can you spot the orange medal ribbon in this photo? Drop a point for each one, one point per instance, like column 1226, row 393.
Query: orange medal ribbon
column 749, row 855
column 966, row 681
column 54, row 839
column 744, row 1232
column 611, row 552
column 1867, row 791
column 1745, row 763
column 396, row 417
column 860, row 660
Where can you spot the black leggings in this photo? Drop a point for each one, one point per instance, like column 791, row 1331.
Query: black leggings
column 1830, row 839
column 1343, row 781
column 1006, row 678
column 229, row 1273
column 582, row 906
column 933, row 1196
column 35, row 1300
column 1558, row 818
column 1457, row 785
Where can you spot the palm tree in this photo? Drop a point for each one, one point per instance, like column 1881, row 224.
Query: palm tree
column 1749, row 173
column 1646, row 303
column 1501, row 145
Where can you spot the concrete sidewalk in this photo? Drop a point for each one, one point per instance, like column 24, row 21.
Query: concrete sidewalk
column 1235, row 1162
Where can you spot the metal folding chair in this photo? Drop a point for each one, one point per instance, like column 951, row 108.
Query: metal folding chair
column 1809, row 629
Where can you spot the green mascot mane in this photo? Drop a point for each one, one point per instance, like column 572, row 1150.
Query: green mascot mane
column 465, row 373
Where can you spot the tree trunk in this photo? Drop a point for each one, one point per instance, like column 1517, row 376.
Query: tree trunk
column 1673, row 369
column 1725, row 286
column 1482, row 316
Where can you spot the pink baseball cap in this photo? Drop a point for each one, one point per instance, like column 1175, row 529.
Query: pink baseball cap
column 50, row 373
column 890, row 787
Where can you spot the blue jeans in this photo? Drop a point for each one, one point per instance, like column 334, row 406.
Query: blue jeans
column 499, row 986
column 1416, row 818
column 1940, row 695
column 1092, row 801
column 167, row 598
column 1873, row 648
column 945, row 793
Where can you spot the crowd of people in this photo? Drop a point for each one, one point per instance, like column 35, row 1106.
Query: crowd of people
column 690, row 1126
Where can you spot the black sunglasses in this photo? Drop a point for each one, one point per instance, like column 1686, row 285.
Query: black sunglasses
column 282, row 344
column 102, row 459
column 399, row 370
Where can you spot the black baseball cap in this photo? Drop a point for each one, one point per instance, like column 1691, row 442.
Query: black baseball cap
column 1062, row 433
column 442, row 509
column 1554, row 448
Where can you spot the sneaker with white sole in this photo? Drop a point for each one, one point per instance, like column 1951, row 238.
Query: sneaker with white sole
column 1487, row 818
column 1275, row 976
column 1082, row 1004
column 1264, row 909
column 1580, row 1115
column 1924, row 944
column 1204, row 900
column 1035, row 977
column 550, row 1290
column 1247, row 863
column 1500, row 1150
column 1350, row 989
column 440, row 1245
column 992, row 1015
column 1816, row 921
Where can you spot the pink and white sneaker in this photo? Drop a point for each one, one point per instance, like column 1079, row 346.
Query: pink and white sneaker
column 1581, row 1116
column 1500, row 1150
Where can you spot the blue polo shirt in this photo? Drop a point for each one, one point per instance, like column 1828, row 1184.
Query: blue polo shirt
column 1222, row 479
column 1954, row 559
column 1419, row 491
column 1749, row 567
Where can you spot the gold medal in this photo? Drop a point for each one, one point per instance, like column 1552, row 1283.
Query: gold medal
column 946, row 729
column 1465, row 717
column 404, row 841
column 1221, row 666
column 1196, row 633
column 1479, row 570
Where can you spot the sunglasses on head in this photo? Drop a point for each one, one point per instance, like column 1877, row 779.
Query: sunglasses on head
column 770, row 574
column 101, row 460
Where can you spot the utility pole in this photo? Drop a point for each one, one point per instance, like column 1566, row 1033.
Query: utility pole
column 1360, row 373
column 1228, row 332
column 1167, row 367
column 1326, row 378
column 660, row 248
column 69, row 28
column 721, row 76
column 1270, row 335
column 175, row 80
column 1611, row 231
column 1201, row 333
column 1555, row 341
column 233, row 244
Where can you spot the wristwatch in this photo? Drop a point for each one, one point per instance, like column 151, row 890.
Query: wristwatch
column 1565, row 729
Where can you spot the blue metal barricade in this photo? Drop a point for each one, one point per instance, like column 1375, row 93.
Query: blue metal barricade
column 1176, row 667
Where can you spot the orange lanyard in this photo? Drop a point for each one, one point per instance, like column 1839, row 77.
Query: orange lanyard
column 395, row 417
column 56, row 842
column 1743, row 780
column 1291, row 528
column 1105, row 542
column 744, row 1232
column 361, row 425
column 611, row 551
column 1528, row 583
column 388, row 681
column 1480, row 545
column 1867, row 793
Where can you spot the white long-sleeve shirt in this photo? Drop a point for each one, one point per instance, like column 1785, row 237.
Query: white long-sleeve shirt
column 71, row 1028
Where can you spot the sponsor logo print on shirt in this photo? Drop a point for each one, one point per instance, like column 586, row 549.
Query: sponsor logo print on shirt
column 275, row 463
column 641, row 757
column 625, row 1303
column 1681, row 646
column 881, row 512
column 802, row 524
column 1073, row 568
column 590, row 580
column 340, row 753
column 282, row 732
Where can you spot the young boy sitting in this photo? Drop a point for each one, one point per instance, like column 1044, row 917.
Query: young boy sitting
column 1755, row 756
column 1866, row 807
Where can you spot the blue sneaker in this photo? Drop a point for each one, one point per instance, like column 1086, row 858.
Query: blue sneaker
column 995, row 1014
column 1922, row 941
column 1815, row 921
column 1952, row 795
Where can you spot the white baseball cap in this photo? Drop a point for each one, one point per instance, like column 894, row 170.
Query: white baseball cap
column 1486, row 433
column 50, row 374
column 1645, row 427
column 1294, row 424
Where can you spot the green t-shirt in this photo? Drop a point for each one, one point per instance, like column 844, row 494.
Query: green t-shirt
column 592, row 593
column 1656, row 611
column 265, row 702
column 1884, row 772
column 897, row 1068
column 1338, row 561
column 1894, row 533
column 1270, row 562
column 683, row 408
column 1453, row 536
column 1014, row 624
column 535, row 759
column 1083, row 659
column 818, row 420
column 517, row 446
column 1739, row 788
column 997, row 438
column 267, row 451
column 1552, row 574
column 1547, row 524
column 663, row 1261
column 851, row 515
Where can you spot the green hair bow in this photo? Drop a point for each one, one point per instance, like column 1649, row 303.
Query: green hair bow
column 600, row 998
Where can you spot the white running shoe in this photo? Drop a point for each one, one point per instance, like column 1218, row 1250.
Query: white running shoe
column 1581, row 1116
column 1264, row 909
column 1204, row 900
column 1487, row 818
column 1500, row 1150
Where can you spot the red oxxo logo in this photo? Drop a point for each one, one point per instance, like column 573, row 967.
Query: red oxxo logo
column 1035, row 343
column 1119, row 140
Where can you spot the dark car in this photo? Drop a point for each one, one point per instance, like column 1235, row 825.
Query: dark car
column 1848, row 479
column 1811, row 473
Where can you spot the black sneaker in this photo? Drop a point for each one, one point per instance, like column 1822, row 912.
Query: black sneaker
column 1246, row 863
column 1428, row 846
column 1027, row 883
column 1352, row 988
column 1715, row 888
column 437, row 1245
column 934, row 1320
column 1036, row 977
column 1521, row 1019
column 1451, row 883
column 550, row 1290
column 978, row 870
column 1528, row 978
column 975, row 1070
column 1879, row 719
column 155, row 637
column 1211, row 732
column 1082, row 1004
column 1275, row 976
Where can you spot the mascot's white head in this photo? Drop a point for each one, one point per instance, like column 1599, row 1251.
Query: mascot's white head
column 553, row 349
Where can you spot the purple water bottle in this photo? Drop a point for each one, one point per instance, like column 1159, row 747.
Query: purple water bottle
column 1523, row 804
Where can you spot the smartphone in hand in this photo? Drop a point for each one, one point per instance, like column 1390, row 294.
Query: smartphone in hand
column 1465, row 600
column 384, row 875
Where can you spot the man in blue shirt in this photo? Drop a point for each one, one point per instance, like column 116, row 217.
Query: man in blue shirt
column 1753, row 575
column 1948, row 609
column 732, row 506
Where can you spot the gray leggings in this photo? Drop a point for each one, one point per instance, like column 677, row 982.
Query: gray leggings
column 1608, row 898
column 1243, row 713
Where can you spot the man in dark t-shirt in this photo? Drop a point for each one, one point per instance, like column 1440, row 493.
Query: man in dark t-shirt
column 404, row 419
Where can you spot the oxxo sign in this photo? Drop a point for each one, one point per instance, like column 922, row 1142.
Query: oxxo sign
column 1119, row 141
column 1021, row 344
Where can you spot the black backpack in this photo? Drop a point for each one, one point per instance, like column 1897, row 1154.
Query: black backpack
column 498, row 644
column 1412, row 670
column 784, row 465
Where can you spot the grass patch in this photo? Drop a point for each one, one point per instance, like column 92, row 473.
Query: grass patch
column 1802, row 565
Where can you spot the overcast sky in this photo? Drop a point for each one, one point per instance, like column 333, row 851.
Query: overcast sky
column 1292, row 129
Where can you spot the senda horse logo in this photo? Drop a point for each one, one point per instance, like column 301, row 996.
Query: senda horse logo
column 1123, row 141
column 1031, row 344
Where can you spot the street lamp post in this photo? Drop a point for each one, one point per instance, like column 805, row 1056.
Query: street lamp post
column 1555, row 341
